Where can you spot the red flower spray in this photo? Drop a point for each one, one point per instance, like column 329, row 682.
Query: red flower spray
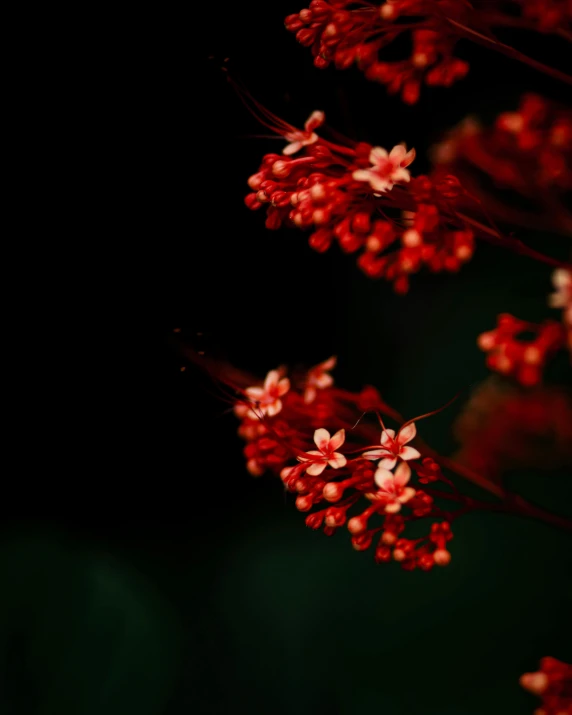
column 363, row 197
column 345, row 473
column 347, row 32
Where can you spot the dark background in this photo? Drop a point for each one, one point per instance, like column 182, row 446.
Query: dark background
column 163, row 578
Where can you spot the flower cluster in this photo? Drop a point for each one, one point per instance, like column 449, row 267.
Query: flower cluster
column 347, row 32
column 343, row 473
column 527, row 152
column 509, row 354
column 363, row 197
column 553, row 683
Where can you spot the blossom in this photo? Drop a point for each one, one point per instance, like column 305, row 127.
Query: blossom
column 316, row 190
column 351, row 492
column 267, row 398
column 387, row 169
column 318, row 379
column 326, row 454
column 394, row 447
column 300, row 139
column 392, row 487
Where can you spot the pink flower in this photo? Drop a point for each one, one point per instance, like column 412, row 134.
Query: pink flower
column 298, row 139
column 387, row 169
column 326, row 454
column 394, row 447
column 267, row 398
column 318, row 379
column 392, row 487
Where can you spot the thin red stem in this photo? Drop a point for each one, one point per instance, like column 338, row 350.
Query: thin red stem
column 521, row 23
column 493, row 236
column 509, row 51
column 510, row 503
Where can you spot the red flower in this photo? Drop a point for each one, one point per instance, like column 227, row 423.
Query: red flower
column 391, row 487
column 388, row 169
column 326, row 454
column 350, row 193
column 267, row 398
column 299, row 139
column 393, row 448
column 351, row 492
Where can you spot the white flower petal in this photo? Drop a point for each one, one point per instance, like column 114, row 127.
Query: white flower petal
column 315, row 120
column 382, row 476
column 374, row 454
column 255, row 393
column 321, row 438
column 338, row 439
column 292, row 148
column 408, row 493
column 338, row 461
column 324, row 380
column 393, row 507
column 561, row 278
column 400, row 174
column 274, row 408
column 402, row 474
column 409, row 157
column 271, row 380
column 406, row 434
column 362, row 175
column 329, row 364
column 408, row 453
column 283, row 386
column 316, row 468
column 398, row 153
column 387, row 437
column 388, row 463
column 378, row 155
column 309, row 394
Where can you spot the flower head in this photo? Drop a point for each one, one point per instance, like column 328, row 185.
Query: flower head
column 326, row 453
column 394, row 447
column 267, row 398
column 351, row 492
column 388, row 169
column 300, row 139
column 391, row 487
